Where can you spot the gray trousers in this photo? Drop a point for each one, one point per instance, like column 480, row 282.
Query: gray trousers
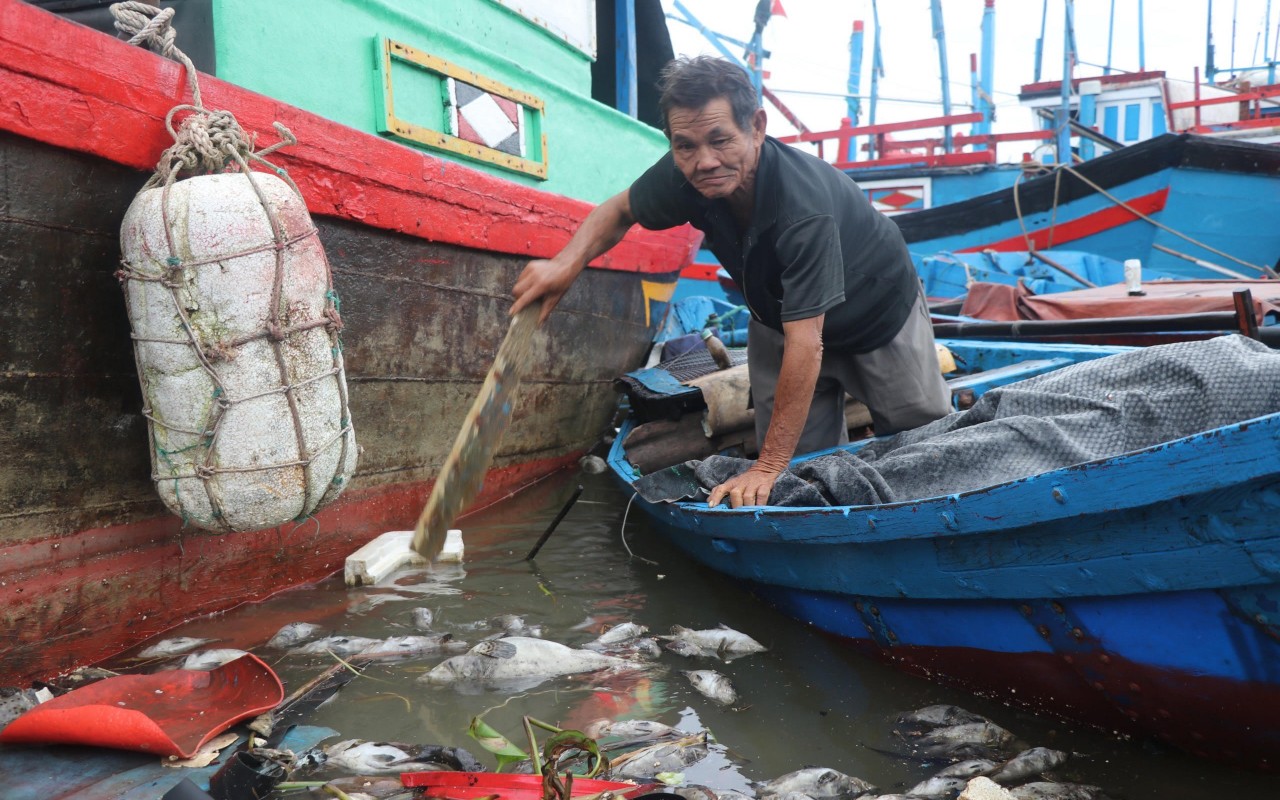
column 900, row 383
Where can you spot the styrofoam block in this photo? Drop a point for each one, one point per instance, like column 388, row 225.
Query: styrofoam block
column 453, row 549
column 379, row 558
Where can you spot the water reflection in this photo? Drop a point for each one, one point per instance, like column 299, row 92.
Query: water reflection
column 808, row 700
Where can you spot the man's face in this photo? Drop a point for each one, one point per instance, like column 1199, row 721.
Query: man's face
column 716, row 156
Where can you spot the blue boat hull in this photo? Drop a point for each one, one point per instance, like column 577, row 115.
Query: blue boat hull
column 1137, row 593
column 1212, row 197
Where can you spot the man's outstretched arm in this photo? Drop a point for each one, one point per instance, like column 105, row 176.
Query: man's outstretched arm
column 797, row 378
column 548, row 279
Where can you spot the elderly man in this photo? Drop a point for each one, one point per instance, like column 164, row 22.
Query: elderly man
column 835, row 303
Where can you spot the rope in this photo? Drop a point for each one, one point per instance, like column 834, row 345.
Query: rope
column 212, row 142
column 1026, row 236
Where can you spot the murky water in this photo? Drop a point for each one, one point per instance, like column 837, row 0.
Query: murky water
column 808, row 701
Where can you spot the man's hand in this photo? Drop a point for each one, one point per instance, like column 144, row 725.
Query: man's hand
column 751, row 488
column 547, row 279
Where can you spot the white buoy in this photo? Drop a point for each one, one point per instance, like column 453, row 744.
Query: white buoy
column 236, row 338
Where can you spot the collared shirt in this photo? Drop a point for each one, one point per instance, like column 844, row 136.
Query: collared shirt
column 814, row 245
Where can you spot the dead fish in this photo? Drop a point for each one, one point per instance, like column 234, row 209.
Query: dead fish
column 211, row 659
column 384, row 758
column 512, row 625
column 592, row 465
column 343, row 646
column 406, row 646
column 1035, row 761
column 517, row 660
column 423, row 618
column 616, row 635
column 713, row 685
column 939, row 716
column 1048, row 790
column 987, row 734
column 643, row 647
column 816, row 782
column 936, row 788
column 367, row 786
column 173, row 647
column 293, row 634
column 631, row 729
column 969, row 769
column 663, row 757
column 723, row 641
column 687, row 649
column 15, row 702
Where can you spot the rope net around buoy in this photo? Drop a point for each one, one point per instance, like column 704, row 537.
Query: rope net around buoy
column 212, row 142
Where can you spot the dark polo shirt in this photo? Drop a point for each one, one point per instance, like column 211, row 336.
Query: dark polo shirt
column 815, row 245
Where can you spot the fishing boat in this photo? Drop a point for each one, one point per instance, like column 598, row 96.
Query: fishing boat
column 1134, row 592
column 428, row 208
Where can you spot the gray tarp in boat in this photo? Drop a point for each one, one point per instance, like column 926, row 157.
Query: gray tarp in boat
column 1080, row 413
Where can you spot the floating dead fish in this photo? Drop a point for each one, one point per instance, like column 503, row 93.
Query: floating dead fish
column 423, row 618
column 1035, row 761
column 970, row 768
column 938, row 788
column 513, row 625
column 517, row 660
column 687, row 649
column 987, row 734
column 939, row 716
column 211, row 659
column 294, row 634
column 592, row 465
column 631, row 729
column 385, row 758
column 817, row 782
column 15, row 702
column 713, row 685
column 407, row 646
column 643, row 647
column 617, row 635
column 650, row 761
column 1048, row 790
column 722, row 641
column 343, row 646
column 173, row 647
column 357, row 786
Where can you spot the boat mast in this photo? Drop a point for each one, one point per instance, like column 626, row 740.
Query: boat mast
column 1266, row 47
column 1142, row 39
column 1111, row 32
column 1063, row 120
column 940, row 33
column 1209, row 68
column 987, row 75
column 877, row 72
column 624, row 12
column 1044, row 14
column 854, row 86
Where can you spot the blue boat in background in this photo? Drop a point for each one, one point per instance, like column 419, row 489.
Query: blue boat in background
column 1186, row 206
column 1139, row 593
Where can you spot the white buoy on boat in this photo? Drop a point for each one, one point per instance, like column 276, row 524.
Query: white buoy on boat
column 235, row 331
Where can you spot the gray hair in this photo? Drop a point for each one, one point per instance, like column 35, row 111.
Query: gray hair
column 694, row 82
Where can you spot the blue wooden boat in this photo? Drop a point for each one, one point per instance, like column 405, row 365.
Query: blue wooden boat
column 1187, row 206
column 1138, row 593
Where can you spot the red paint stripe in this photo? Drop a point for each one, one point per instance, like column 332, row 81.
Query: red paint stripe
column 79, row 599
column 700, row 272
column 69, row 86
column 1079, row 228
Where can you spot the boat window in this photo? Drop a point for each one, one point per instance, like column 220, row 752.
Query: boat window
column 1132, row 122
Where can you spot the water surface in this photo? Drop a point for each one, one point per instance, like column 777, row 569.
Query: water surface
column 808, row 701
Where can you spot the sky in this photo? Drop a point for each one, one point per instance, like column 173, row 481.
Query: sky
column 810, row 48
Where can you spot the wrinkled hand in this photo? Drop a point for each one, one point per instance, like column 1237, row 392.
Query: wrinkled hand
column 547, row 279
column 750, row 488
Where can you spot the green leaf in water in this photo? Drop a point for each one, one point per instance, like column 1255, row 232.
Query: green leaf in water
column 496, row 743
column 670, row 778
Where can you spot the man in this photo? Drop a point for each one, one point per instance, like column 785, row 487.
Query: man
column 835, row 303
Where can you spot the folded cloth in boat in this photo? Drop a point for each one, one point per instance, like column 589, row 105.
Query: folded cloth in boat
column 1088, row 411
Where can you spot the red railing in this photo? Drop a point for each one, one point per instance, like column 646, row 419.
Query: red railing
column 929, row 151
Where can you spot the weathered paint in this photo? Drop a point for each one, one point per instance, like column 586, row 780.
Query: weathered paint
column 78, row 89
column 423, row 253
column 1136, row 592
column 274, row 49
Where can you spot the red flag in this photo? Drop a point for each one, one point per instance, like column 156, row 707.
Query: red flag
column 777, row 10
